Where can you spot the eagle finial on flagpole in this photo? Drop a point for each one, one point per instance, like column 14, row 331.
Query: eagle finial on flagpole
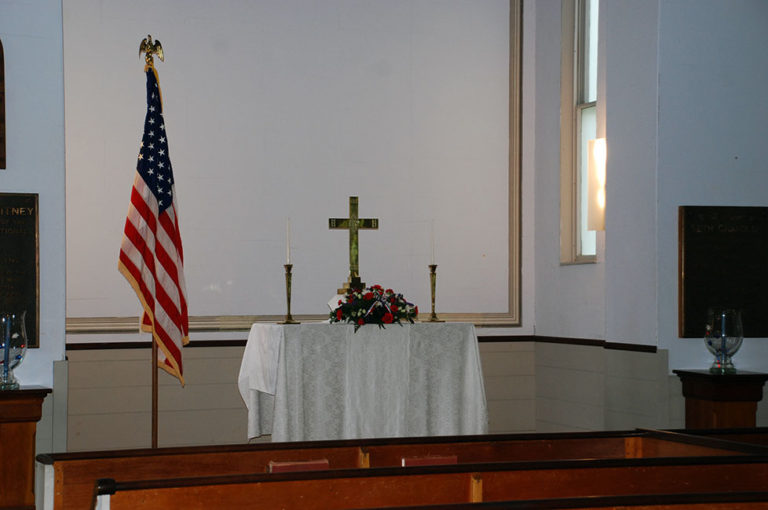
column 150, row 48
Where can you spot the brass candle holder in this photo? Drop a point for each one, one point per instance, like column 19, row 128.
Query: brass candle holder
column 288, row 277
column 432, row 283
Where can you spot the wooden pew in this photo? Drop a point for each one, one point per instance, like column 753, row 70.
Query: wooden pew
column 441, row 485
column 71, row 477
column 697, row 501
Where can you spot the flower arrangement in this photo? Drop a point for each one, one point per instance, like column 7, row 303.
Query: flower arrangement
column 374, row 305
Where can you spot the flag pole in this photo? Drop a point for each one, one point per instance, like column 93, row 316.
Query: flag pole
column 149, row 49
column 154, row 394
column 151, row 256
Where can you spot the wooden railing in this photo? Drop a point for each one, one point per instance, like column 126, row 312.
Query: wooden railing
column 446, row 484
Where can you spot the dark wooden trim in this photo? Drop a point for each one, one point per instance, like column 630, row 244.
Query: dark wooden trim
column 612, row 346
column 570, row 341
column 616, row 346
column 506, row 338
column 217, row 343
column 96, row 346
column 87, row 346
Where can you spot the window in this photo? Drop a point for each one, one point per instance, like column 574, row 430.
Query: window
column 578, row 124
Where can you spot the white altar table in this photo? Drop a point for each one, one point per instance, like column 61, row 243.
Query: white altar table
column 324, row 381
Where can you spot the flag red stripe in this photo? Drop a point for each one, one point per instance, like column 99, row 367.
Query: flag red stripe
column 172, row 230
column 141, row 206
column 168, row 262
column 141, row 246
column 169, row 306
column 182, row 288
column 167, row 341
column 136, row 274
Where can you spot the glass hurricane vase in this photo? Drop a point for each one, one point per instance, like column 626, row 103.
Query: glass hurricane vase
column 13, row 347
column 723, row 336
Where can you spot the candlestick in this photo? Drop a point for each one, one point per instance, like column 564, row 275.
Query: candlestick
column 288, row 278
column 288, row 241
column 433, row 281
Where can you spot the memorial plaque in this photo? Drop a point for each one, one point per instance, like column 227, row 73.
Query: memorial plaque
column 723, row 260
column 19, row 260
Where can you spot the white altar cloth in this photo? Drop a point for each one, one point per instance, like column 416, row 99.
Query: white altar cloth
column 324, row 381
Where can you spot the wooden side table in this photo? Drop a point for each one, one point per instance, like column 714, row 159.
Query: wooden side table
column 20, row 410
column 716, row 401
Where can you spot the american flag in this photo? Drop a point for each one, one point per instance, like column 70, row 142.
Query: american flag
column 151, row 257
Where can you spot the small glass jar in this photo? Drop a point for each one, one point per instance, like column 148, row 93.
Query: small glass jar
column 723, row 336
column 13, row 347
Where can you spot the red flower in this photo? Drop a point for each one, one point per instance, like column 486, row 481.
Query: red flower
column 360, row 322
column 339, row 301
column 368, row 296
column 416, row 310
column 393, row 308
column 387, row 319
column 388, row 291
column 338, row 314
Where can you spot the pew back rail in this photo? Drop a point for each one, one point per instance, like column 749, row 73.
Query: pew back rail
column 444, row 484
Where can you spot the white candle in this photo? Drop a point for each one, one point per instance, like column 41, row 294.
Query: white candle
column 288, row 241
column 432, row 242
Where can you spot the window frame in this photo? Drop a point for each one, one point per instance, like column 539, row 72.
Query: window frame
column 572, row 105
column 512, row 317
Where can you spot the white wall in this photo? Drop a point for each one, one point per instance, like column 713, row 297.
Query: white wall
column 629, row 36
column 686, row 119
column 713, row 134
column 570, row 300
column 34, row 102
column 280, row 109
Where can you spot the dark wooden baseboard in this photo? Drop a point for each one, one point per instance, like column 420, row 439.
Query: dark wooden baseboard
column 87, row 346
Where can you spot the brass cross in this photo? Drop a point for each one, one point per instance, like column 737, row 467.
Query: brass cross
column 353, row 224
